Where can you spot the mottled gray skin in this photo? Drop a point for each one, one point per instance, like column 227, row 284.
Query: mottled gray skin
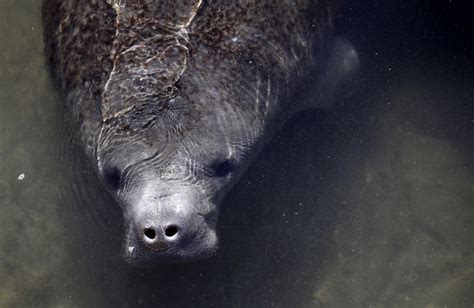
column 173, row 99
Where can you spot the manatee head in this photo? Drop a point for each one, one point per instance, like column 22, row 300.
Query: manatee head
column 168, row 165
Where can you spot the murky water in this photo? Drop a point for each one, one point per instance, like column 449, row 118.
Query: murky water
column 369, row 204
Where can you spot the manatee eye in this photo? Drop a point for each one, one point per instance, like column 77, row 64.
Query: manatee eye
column 112, row 176
column 222, row 169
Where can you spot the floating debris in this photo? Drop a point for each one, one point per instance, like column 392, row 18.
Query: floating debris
column 21, row 177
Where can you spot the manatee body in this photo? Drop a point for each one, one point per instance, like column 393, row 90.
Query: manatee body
column 172, row 99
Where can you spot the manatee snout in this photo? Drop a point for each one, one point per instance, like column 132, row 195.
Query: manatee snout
column 173, row 228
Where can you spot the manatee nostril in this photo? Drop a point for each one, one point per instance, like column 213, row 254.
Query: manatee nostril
column 149, row 233
column 171, row 230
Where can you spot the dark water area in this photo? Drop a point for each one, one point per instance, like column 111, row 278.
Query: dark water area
column 366, row 204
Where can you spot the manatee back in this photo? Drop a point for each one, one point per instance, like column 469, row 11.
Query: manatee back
column 245, row 48
column 256, row 52
column 78, row 38
column 78, row 35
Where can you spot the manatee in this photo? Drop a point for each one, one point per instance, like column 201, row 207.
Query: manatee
column 171, row 101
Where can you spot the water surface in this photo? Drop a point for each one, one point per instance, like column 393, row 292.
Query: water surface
column 368, row 204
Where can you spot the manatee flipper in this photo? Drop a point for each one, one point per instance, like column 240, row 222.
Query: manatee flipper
column 342, row 63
